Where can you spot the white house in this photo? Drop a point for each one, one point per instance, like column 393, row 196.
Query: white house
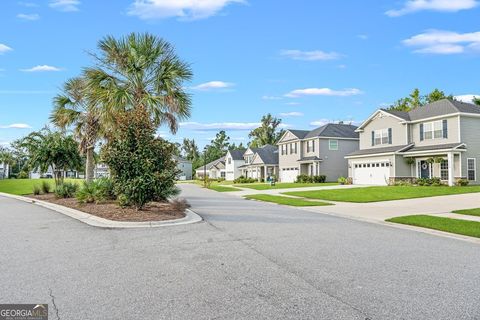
column 214, row 169
column 4, row 171
column 233, row 160
column 37, row 174
column 185, row 166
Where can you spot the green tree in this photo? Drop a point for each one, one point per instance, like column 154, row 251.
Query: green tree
column 46, row 148
column 7, row 157
column 476, row 100
column 141, row 165
column 218, row 147
column 267, row 133
column 140, row 71
column 73, row 108
column 190, row 149
column 436, row 95
column 416, row 100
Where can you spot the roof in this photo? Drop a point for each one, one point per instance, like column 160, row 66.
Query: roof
column 268, row 154
column 211, row 164
column 436, row 147
column 237, row 154
column 437, row 108
column 300, row 134
column 313, row 158
column 336, row 130
column 177, row 158
column 371, row 151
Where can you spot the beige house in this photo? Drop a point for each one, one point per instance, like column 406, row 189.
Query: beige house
column 320, row 151
column 260, row 163
column 213, row 170
column 441, row 139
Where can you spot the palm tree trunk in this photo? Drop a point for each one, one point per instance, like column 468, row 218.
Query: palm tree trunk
column 89, row 165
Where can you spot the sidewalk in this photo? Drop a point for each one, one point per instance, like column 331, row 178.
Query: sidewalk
column 248, row 191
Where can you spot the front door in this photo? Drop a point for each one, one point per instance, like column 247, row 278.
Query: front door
column 424, row 169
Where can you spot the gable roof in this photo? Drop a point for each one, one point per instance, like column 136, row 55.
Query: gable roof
column 210, row 165
column 336, row 130
column 442, row 107
column 268, row 154
column 300, row 134
column 399, row 114
column 237, row 154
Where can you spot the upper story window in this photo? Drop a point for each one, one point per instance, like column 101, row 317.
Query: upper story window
column 311, row 146
column 283, row 149
column 248, row 159
column 293, row 148
column 229, row 160
column 383, row 136
column 332, row 144
column 433, row 130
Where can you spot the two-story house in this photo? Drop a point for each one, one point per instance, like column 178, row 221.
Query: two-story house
column 213, row 170
column 260, row 163
column 233, row 161
column 320, row 151
column 441, row 139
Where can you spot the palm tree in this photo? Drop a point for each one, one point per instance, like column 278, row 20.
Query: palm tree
column 141, row 71
column 73, row 108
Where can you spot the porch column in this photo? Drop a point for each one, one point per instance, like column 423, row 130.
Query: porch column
column 265, row 173
column 451, row 181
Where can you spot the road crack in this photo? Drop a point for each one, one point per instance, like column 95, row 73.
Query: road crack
column 53, row 303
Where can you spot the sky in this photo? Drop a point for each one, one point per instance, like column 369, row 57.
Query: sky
column 308, row 62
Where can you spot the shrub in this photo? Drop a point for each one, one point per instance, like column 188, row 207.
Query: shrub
column 303, row 178
column 141, row 165
column 36, row 190
column 66, row 190
column 462, row 182
column 22, row 175
column 342, row 180
column 435, row 182
column 46, row 187
column 242, row 179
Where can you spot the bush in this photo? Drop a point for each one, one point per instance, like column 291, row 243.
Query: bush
column 141, row 166
column 342, row 180
column 429, row 182
column 46, row 187
column 96, row 191
column 22, row 175
column 66, row 190
column 242, row 179
column 435, row 182
column 303, row 178
column 462, row 182
column 36, row 190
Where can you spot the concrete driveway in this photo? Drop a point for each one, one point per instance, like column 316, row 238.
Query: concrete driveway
column 248, row 260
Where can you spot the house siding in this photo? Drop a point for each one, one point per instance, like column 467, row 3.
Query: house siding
column 470, row 136
column 289, row 160
column 453, row 130
column 399, row 132
column 334, row 164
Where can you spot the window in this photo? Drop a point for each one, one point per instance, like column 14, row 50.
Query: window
column 381, row 137
column 472, row 169
column 311, row 146
column 332, row 144
column 444, row 170
column 433, row 130
column 229, row 160
column 293, row 148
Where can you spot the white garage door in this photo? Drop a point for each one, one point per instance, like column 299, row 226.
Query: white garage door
column 288, row 174
column 371, row 173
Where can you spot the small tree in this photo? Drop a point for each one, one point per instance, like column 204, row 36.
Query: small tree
column 267, row 133
column 142, row 166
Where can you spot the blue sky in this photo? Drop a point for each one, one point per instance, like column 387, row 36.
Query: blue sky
column 306, row 61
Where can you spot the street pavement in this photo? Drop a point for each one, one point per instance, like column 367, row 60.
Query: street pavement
column 247, row 260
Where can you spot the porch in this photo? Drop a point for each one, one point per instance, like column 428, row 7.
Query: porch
column 310, row 166
column 260, row 172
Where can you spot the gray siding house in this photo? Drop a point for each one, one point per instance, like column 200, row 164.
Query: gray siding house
column 441, row 139
column 321, row 151
column 260, row 163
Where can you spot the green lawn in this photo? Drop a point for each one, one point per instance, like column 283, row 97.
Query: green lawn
column 220, row 188
column 374, row 194
column 470, row 212
column 286, row 200
column 286, row 185
column 25, row 186
column 463, row 227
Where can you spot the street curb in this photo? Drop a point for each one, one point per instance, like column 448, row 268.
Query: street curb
column 94, row 221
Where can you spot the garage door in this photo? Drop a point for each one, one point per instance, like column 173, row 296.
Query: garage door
column 371, row 173
column 288, row 174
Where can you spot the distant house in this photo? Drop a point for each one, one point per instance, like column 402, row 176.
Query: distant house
column 4, row 171
column 185, row 166
column 213, row 170
column 37, row 174
column 260, row 163
column 233, row 161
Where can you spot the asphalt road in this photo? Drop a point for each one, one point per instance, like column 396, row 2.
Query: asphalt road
column 248, row 260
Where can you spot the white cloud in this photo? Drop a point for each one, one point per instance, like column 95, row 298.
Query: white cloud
column 362, row 36
column 4, row 48
column 412, row 6
column 291, row 114
column 323, row 92
column 444, row 42
column 467, row 97
column 292, row 103
column 183, row 9
column 310, row 55
column 41, row 68
column 16, row 126
column 213, row 85
column 271, row 98
column 29, row 17
column 223, row 125
column 65, row 5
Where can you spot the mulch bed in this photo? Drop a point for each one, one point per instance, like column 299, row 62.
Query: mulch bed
column 154, row 211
